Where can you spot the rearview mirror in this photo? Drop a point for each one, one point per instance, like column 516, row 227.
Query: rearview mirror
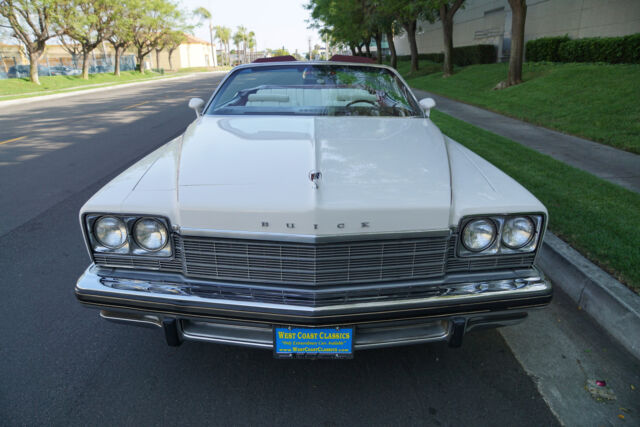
column 196, row 104
column 427, row 104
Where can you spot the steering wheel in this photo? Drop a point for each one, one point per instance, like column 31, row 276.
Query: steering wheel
column 360, row 100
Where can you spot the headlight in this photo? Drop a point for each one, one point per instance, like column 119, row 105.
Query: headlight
column 150, row 234
column 478, row 234
column 517, row 232
column 110, row 232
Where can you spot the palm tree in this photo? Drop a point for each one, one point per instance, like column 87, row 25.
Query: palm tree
column 251, row 43
column 237, row 41
column 224, row 34
column 242, row 35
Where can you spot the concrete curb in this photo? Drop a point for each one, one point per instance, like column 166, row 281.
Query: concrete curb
column 102, row 88
column 611, row 304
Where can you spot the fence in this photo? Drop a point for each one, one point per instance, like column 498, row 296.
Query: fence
column 14, row 66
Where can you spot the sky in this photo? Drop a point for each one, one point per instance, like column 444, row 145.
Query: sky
column 276, row 23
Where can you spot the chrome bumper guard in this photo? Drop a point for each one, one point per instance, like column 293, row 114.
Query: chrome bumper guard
column 453, row 308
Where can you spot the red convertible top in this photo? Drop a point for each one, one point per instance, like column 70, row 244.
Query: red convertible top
column 347, row 58
column 284, row 58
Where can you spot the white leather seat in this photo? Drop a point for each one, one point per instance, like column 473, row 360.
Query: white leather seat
column 308, row 97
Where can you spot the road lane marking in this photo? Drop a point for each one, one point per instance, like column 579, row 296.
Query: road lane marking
column 13, row 140
column 135, row 105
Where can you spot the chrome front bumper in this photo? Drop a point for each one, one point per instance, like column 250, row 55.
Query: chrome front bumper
column 454, row 306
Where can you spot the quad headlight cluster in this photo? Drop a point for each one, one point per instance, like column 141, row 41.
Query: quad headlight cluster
column 128, row 235
column 494, row 235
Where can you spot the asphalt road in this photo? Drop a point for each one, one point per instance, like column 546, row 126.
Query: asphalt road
column 61, row 365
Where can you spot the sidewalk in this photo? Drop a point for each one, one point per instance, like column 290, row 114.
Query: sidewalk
column 617, row 166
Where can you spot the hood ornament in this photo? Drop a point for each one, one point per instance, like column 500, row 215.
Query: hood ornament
column 315, row 176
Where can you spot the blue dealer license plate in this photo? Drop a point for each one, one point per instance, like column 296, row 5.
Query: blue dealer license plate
column 313, row 342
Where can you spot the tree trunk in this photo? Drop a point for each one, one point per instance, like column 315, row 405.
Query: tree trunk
column 116, row 67
column 353, row 50
column 392, row 49
column 158, row 60
column 378, row 37
column 447, row 32
column 518, row 17
column 170, row 62
column 359, row 50
column 140, row 58
column 410, row 28
column 367, row 42
column 34, row 58
column 85, row 65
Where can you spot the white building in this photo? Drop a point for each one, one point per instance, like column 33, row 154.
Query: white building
column 489, row 22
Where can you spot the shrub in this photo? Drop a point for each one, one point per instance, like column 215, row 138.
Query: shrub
column 613, row 50
column 545, row 48
column 463, row 55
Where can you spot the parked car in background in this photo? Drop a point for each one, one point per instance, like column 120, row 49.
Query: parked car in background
column 313, row 209
column 63, row 70
column 18, row 71
column 23, row 71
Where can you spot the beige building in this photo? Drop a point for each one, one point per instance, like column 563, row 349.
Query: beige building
column 489, row 22
column 192, row 53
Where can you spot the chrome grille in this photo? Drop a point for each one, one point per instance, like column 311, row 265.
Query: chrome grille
column 308, row 264
column 169, row 265
column 467, row 265
column 313, row 264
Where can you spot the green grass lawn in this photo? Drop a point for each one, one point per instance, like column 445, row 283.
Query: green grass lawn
column 425, row 68
column 600, row 102
column 24, row 85
column 18, row 88
column 596, row 217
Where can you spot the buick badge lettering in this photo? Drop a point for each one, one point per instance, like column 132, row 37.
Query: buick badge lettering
column 341, row 225
column 315, row 176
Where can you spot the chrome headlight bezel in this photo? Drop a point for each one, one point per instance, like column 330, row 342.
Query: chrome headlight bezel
column 140, row 244
column 497, row 247
column 494, row 235
column 131, row 246
column 119, row 224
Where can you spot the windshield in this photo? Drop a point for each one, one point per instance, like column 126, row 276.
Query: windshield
column 319, row 90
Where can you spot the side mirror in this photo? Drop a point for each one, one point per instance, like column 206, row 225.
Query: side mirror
column 196, row 104
column 427, row 104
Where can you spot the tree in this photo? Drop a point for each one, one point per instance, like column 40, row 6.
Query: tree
column 382, row 22
column 122, row 30
column 224, row 35
column 281, row 52
column 243, row 35
column 447, row 10
column 170, row 42
column 238, row 38
column 204, row 14
column 88, row 23
column 32, row 23
column 407, row 13
column 251, row 44
column 155, row 21
column 343, row 21
column 518, row 17
column 72, row 47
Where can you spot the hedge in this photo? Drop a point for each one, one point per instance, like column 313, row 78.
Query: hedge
column 613, row 50
column 463, row 55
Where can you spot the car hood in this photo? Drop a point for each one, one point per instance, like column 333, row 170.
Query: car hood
column 251, row 173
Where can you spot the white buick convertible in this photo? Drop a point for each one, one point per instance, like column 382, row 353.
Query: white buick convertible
column 313, row 209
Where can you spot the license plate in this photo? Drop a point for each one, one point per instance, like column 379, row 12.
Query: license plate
column 313, row 342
